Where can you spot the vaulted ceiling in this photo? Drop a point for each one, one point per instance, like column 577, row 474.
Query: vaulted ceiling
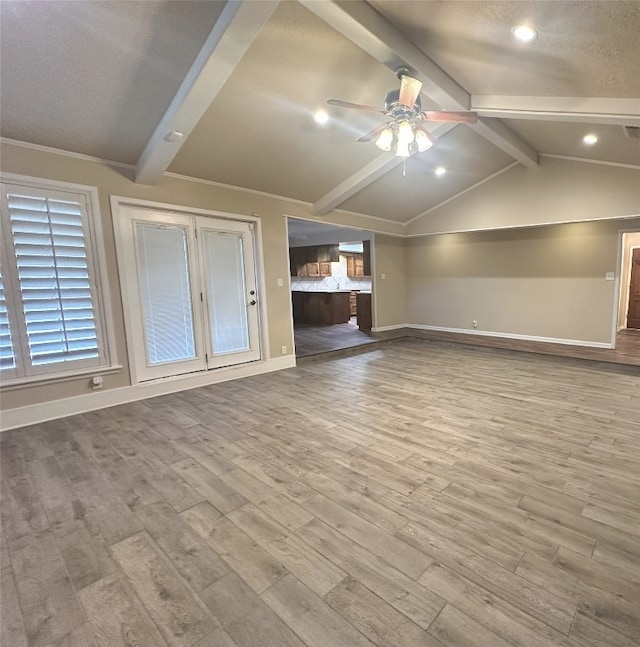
column 241, row 81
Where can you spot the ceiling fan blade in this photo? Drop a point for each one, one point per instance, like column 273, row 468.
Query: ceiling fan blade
column 370, row 136
column 409, row 91
column 457, row 117
column 355, row 106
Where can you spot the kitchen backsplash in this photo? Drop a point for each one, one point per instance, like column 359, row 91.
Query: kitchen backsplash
column 329, row 284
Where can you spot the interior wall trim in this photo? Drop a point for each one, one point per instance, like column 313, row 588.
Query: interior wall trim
column 386, row 328
column 45, row 411
column 503, row 335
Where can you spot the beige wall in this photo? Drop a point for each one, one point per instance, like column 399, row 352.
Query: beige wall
column 542, row 282
column 557, row 191
column 389, row 294
column 171, row 190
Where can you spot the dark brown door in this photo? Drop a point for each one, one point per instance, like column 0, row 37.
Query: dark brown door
column 633, row 316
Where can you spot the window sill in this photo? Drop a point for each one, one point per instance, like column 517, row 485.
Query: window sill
column 20, row 382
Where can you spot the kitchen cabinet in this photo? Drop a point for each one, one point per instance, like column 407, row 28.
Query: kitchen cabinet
column 313, row 260
column 353, row 304
column 359, row 264
column 320, row 308
column 364, row 317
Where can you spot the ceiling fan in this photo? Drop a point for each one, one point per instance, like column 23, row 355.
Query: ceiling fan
column 406, row 132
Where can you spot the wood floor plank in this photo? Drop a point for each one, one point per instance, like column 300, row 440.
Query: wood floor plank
column 404, row 557
column 310, row 617
column 511, row 623
column 555, row 611
column 12, row 630
column 245, row 617
column 195, row 560
column 50, row 608
column 179, row 615
column 456, row 629
column 127, row 621
column 242, row 553
column 377, row 620
column 400, row 591
column 593, row 600
column 220, row 495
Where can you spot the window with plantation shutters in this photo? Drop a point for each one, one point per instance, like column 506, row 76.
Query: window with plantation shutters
column 50, row 312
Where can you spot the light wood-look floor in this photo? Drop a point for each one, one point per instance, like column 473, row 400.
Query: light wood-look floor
column 313, row 340
column 627, row 350
column 419, row 494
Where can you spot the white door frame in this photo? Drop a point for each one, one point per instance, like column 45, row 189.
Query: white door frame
column 120, row 202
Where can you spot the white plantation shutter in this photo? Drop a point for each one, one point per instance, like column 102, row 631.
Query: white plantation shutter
column 49, row 255
column 7, row 356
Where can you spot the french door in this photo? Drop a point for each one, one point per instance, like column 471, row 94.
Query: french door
column 190, row 291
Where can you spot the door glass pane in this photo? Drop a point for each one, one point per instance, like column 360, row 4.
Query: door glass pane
column 226, row 291
column 165, row 294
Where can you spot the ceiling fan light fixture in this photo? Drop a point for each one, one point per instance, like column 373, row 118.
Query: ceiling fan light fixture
column 405, row 133
column 423, row 141
column 402, row 149
column 385, row 140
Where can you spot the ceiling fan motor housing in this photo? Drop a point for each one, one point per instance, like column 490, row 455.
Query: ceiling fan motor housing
column 396, row 110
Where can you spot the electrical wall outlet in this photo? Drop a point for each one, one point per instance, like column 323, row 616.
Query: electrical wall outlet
column 475, row 323
column 96, row 382
column 284, row 350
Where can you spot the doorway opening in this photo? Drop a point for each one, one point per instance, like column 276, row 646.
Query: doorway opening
column 628, row 315
column 629, row 305
column 331, row 286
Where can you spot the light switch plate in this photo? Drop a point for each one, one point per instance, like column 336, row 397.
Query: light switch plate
column 610, row 276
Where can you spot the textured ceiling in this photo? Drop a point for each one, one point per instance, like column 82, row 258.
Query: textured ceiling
column 566, row 139
column 583, row 49
column 96, row 78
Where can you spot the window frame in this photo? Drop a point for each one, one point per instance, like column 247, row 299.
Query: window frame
column 25, row 373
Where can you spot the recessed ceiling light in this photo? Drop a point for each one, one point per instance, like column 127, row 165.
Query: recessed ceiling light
column 524, row 33
column 440, row 171
column 590, row 139
column 321, row 117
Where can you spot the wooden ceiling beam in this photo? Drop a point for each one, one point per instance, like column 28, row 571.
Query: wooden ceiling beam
column 363, row 25
column 232, row 34
column 591, row 110
column 367, row 175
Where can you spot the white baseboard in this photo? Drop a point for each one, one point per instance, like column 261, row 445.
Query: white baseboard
column 41, row 412
column 385, row 328
column 488, row 333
